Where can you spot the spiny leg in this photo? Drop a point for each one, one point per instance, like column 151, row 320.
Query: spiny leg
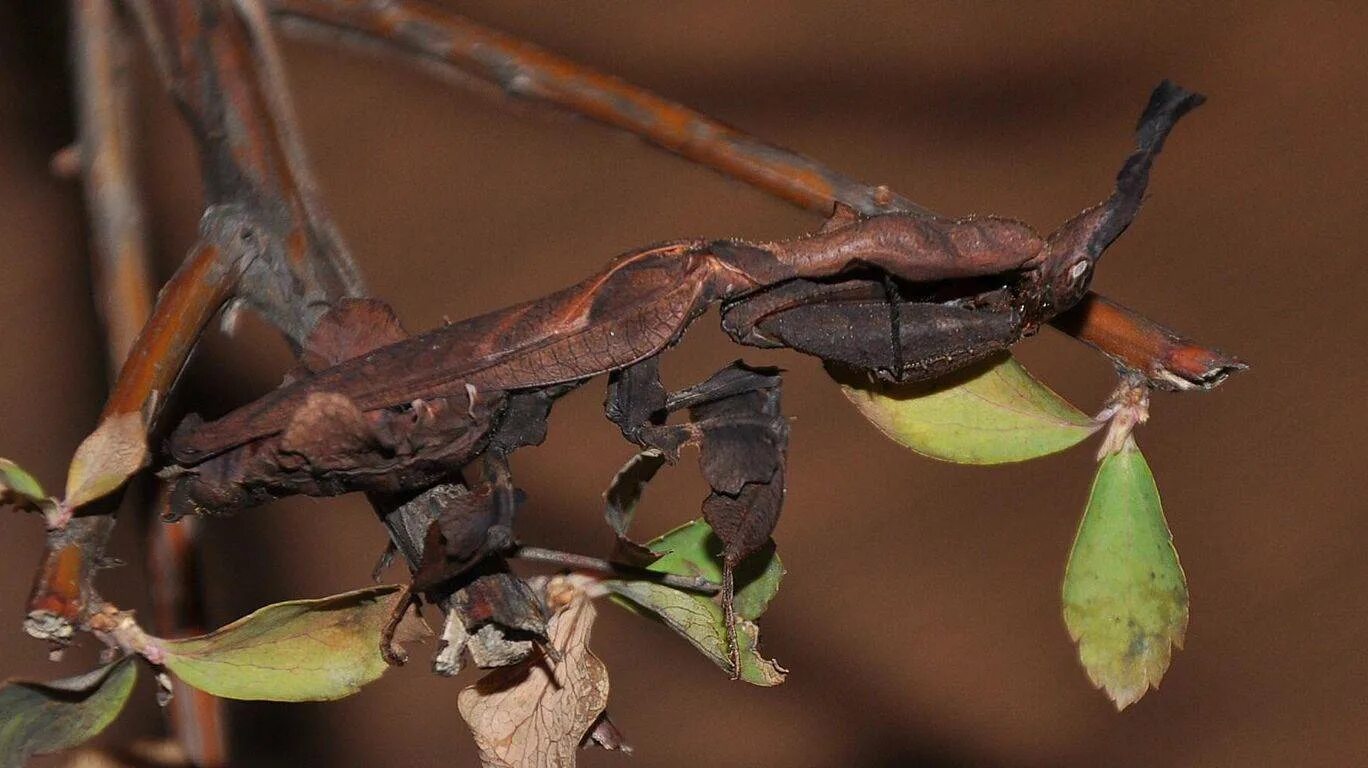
column 742, row 440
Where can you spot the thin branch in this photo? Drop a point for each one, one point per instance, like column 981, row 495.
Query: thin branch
column 225, row 76
column 433, row 37
column 522, row 69
column 1163, row 357
column 610, row 568
column 123, row 276
column 123, row 295
column 247, row 250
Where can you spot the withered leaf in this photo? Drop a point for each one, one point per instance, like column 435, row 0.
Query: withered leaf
column 38, row 718
column 536, row 714
column 301, row 650
column 107, row 458
column 623, row 496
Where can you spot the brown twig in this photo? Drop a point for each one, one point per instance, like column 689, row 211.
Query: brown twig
column 610, row 568
column 526, row 70
column 123, row 276
column 123, row 294
column 434, row 37
column 1166, row 359
column 261, row 241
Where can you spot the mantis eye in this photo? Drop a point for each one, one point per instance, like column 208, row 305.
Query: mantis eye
column 1077, row 271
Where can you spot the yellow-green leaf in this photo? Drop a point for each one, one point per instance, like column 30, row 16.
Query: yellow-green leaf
column 107, row 458
column 21, row 489
column 38, row 718
column 1125, row 596
column 13, row 479
column 301, row 650
column 693, row 550
column 700, row 621
column 993, row 412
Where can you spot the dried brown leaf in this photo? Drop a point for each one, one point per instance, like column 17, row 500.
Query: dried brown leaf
column 535, row 715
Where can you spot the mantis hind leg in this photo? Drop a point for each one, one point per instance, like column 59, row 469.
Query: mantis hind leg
column 735, row 421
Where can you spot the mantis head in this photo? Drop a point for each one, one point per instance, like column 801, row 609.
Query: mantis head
column 1064, row 268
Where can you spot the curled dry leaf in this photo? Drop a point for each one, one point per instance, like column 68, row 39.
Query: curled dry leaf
column 301, row 650
column 536, row 714
column 38, row 718
column 107, row 458
column 623, row 496
column 993, row 412
column 1125, row 596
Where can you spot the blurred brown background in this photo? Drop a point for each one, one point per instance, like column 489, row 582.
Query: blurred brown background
column 920, row 616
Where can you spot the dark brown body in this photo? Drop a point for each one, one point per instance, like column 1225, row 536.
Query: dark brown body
column 632, row 310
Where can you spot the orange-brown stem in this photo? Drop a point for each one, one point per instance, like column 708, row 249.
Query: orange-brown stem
column 1166, row 359
column 526, row 70
column 185, row 306
column 64, row 594
column 123, row 283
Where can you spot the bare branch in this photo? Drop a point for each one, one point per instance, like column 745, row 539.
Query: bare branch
column 1166, row 359
column 610, row 568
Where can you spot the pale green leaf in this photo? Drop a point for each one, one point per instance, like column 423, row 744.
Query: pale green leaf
column 1125, row 596
column 693, row 550
column 38, row 718
column 700, row 621
column 993, row 412
column 301, row 650
column 16, row 482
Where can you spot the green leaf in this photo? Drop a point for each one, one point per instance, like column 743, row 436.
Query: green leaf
column 301, row 650
column 38, row 718
column 993, row 412
column 700, row 621
column 1125, row 596
column 693, row 550
column 15, row 481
